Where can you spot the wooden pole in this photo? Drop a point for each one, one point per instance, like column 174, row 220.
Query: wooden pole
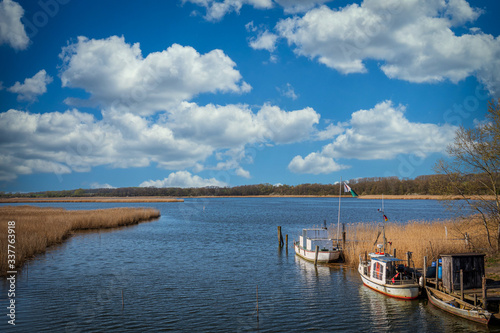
column 425, row 271
column 280, row 237
column 316, row 255
column 343, row 240
column 462, row 284
column 484, row 292
column 437, row 273
column 257, row 302
column 394, row 253
column 286, row 237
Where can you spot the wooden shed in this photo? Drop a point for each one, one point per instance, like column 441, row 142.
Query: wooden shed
column 472, row 265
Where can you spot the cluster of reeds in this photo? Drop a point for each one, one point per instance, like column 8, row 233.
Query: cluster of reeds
column 422, row 238
column 36, row 228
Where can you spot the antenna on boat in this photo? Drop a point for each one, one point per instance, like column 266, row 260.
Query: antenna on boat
column 384, row 218
column 338, row 219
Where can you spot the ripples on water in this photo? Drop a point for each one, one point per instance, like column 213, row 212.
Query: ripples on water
column 197, row 269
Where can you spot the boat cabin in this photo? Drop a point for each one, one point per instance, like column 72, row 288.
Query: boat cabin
column 388, row 270
column 316, row 236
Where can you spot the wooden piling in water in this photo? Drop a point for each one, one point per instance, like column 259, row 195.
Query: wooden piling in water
column 257, row 302
column 286, row 238
column 462, row 284
column 425, row 271
column 316, row 255
column 484, row 292
column 280, row 237
column 437, row 273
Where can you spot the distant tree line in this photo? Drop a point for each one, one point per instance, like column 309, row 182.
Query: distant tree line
column 431, row 184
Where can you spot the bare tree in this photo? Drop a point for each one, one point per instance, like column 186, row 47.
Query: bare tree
column 474, row 168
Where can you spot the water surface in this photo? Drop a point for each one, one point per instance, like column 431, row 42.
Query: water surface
column 197, row 268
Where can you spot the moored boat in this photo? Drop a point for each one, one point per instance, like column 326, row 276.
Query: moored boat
column 457, row 307
column 388, row 275
column 305, row 247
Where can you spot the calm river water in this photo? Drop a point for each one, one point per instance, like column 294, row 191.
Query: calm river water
column 197, row 268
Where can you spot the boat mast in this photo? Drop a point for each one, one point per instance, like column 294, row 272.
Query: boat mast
column 383, row 222
column 338, row 219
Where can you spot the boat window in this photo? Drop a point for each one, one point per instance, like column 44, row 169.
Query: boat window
column 378, row 271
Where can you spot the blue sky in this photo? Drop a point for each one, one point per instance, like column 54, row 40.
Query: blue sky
column 229, row 92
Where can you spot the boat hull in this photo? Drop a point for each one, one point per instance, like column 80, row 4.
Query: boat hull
column 323, row 256
column 405, row 291
column 479, row 316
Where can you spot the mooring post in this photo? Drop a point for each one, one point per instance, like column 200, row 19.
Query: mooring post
column 316, row 255
column 462, row 284
column 280, row 237
column 394, row 253
column 484, row 292
column 343, row 240
column 257, row 302
column 425, row 271
column 437, row 271
column 286, row 238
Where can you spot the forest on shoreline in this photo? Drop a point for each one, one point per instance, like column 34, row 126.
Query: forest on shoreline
column 421, row 185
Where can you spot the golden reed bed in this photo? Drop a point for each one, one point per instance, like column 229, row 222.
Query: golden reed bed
column 36, row 228
column 91, row 199
column 422, row 238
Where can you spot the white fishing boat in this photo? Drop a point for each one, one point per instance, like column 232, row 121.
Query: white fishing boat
column 386, row 274
column 389, row 276
column 310, row 238
column 328, row 248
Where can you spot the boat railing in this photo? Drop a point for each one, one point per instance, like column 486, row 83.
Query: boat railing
column 399, row 282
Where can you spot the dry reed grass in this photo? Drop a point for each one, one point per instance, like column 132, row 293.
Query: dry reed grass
column 422, row 238
column 425, row 197
column 91, row 199
column 36, row 228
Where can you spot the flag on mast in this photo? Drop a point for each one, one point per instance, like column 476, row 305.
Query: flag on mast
column 347, row 188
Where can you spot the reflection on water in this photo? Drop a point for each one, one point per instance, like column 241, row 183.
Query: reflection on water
column 197, row 269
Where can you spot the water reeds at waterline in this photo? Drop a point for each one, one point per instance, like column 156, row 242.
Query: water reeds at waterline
column 36, row 228
column 422, row 238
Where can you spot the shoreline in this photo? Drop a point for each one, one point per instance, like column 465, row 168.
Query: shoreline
column 91, row 199
column 181, row 198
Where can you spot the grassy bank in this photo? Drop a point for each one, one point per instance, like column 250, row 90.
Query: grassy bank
column 37, row 228
column 422, row 238
column 91, row 199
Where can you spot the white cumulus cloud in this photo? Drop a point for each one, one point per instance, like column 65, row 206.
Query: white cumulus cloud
column 97, row 185
column 315, row 164
column 298, row 6
column 217, row 9
column 183, row 179
column 413, row 40
column 264, row 41
column 12, row 31
column 32, row 87
column 117, row 75
column 382, row 132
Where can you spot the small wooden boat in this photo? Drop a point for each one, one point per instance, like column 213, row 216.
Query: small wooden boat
column 387, row 275
column 457, row 307
column 310, row 238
